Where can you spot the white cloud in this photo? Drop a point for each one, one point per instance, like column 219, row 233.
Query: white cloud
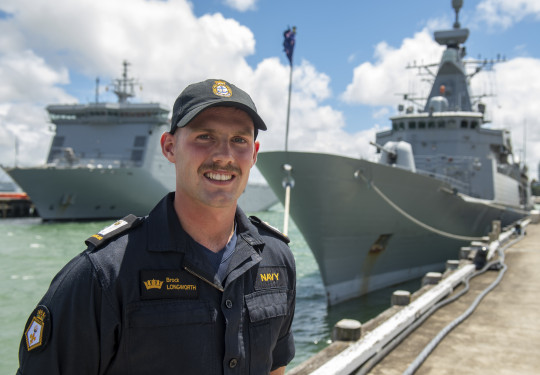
column 45, row 47
column 515, row 106
column 242, row 5
column 167, row 45
column 27, row 77
column 381, row 113
column 378, row 83
column 505, row 13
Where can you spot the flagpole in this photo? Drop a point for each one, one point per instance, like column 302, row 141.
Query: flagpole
column 288, row 181
column 288, row 111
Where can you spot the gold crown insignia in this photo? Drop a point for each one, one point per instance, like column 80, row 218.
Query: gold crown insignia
column 40, row 315
column 153, row 284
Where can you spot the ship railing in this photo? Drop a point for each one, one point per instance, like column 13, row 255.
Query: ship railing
column 442, row 162
column 455, row 170
column 95, row 163
column 460, row 186
column 445, row 169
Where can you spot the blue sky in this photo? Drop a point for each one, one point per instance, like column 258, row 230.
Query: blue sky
column 349, row 62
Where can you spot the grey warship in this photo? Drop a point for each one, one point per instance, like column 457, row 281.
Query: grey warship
column 105, row 161
column 441, row 179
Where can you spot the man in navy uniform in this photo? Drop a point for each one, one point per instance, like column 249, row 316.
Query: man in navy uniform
column 195, row 287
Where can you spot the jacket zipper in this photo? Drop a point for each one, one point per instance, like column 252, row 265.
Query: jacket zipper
column 203, row 279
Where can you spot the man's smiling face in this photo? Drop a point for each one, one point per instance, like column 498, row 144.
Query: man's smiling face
column 213, row 155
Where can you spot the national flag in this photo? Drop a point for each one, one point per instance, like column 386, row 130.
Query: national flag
column 288, row 43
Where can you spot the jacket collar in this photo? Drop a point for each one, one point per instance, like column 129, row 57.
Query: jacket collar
column 165, row 234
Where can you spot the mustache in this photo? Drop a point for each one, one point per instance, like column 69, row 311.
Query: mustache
column 218, row 167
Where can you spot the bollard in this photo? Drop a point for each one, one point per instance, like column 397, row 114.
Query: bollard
column 465, row 252
column 431, row 278
column 495, row 231
column 480, row 259
column 401, row 298
column 347, row 330
column 452, row 265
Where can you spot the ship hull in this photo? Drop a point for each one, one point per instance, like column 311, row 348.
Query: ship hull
column 361, row 241
column 90, row 193
column 100, row 193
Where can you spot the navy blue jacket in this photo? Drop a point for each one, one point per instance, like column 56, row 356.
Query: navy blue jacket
column 141, row 300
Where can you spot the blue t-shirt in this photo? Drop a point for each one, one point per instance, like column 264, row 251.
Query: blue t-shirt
column 220, row 260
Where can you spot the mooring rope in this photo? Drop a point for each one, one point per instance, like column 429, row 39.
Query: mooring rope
column 414, row 220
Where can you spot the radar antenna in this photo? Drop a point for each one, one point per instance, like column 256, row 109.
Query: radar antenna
column 124, row 87
column 457, row 4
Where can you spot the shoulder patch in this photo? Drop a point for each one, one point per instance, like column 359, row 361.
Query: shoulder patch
column 113, row 230
column 261, row 224
column 38, row 329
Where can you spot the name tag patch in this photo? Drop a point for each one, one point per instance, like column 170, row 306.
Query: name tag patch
column 157, row 284
column 271, row 277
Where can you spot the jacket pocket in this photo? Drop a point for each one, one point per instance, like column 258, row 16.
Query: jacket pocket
column 164, row 337
column 266, row 304
column 267, row 311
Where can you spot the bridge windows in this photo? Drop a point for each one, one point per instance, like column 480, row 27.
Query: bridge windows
column 435, row 123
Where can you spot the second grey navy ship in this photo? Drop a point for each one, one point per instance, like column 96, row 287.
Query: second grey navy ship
column 105, row 161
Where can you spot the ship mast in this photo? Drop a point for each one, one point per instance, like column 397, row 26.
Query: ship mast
column 451, row 82
column 457, row 4
column 124, row 87
column 451, row 79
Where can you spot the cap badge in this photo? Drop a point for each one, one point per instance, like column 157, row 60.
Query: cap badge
column 221, row 88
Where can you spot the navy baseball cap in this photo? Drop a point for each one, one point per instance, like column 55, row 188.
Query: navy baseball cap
column 212, row 93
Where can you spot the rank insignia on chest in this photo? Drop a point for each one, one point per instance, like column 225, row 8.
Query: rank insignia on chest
column 157, row 284
column 38, row 328
column 271, row 277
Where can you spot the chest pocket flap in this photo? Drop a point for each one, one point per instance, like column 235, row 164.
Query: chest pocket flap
column 266, row 304
column 169, row 313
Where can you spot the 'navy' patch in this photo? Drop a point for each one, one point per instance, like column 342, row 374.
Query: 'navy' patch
column 271, row 277
column 157, row 284
column 38, row 329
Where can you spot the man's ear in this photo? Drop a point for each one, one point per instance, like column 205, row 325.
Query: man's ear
column 168, row 143
column 255, row 152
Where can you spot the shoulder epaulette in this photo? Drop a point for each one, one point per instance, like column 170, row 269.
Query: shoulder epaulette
column 262, row 224
column 113, row 230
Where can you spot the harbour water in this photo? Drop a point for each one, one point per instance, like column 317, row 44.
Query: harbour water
column 32, row 252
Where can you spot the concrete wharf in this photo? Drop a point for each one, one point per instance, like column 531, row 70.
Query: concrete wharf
column 501, row 336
